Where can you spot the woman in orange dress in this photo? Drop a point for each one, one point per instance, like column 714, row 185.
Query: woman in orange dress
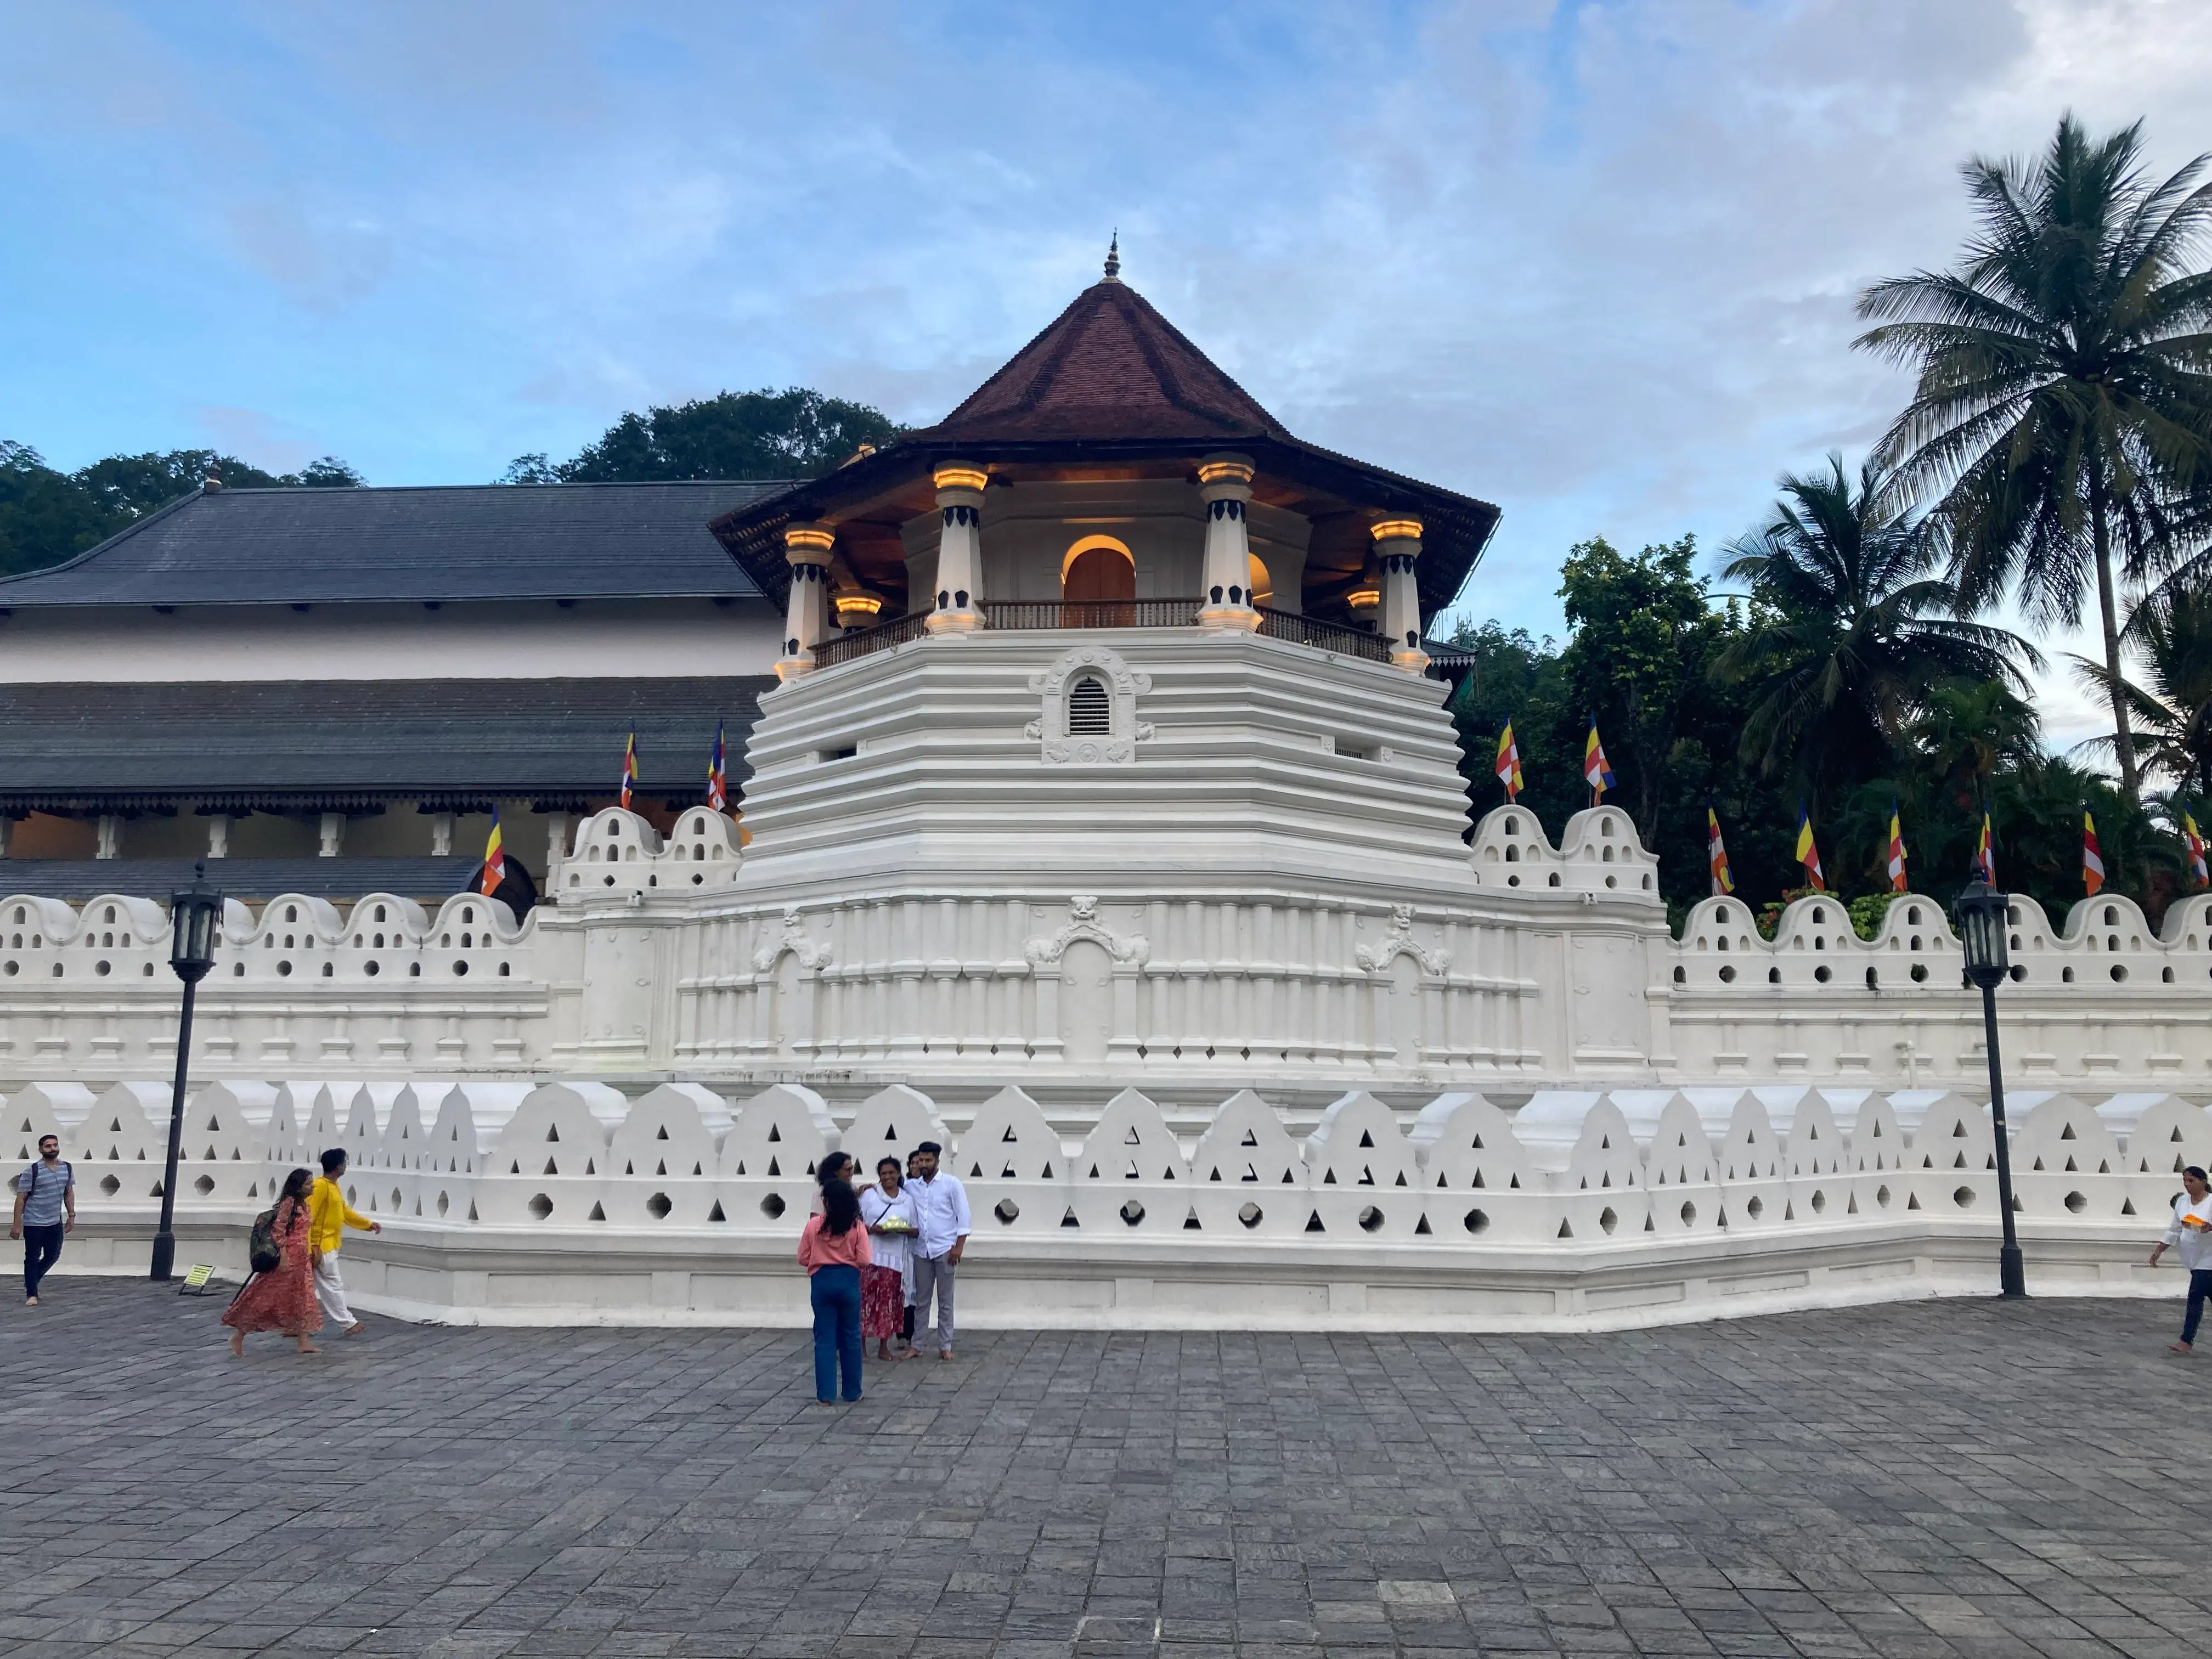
column 284, row 1298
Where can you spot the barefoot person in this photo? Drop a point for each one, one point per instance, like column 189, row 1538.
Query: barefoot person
column 328, row 1216
column 888, row 1209
column 834, row 1250
column 940, row 1205
column 46, row 1210
column 283, row 1297
column 2191, row 1230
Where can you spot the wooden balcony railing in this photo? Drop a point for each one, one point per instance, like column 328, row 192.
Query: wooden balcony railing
column 869, row 641
column 1091, row 613
column 1323, row 635
column 1004, row 615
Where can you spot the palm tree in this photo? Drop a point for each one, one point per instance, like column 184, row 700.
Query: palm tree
column 1966, row 733
column 1851, row 627
column 2169, row 635
column 2063, row 405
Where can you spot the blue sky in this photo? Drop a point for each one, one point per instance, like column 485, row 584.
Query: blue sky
column 1592, row 261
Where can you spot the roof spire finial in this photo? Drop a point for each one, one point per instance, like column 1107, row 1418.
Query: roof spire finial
column 1113, row 256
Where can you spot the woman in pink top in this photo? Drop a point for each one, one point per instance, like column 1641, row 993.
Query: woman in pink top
column 833, row 1249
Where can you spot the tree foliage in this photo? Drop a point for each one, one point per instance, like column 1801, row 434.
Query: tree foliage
column 792, row 433
column 2063, row 417
column 1851, row 630
column 48, row 516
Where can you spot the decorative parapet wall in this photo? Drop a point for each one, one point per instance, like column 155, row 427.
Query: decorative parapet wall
column 513, row 1200
column 1549, row 969
column 86, row 992
column 2105, row 1000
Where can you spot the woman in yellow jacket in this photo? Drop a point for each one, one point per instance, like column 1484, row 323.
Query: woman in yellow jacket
column 328, row 1217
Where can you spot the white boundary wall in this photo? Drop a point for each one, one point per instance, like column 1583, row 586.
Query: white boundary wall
column 506, row 1201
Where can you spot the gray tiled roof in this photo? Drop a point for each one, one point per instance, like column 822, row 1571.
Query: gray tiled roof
column 445, row 543
column 334, row 745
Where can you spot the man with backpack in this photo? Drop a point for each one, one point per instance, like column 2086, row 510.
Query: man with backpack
column 329, row 1215
column 45, row 1209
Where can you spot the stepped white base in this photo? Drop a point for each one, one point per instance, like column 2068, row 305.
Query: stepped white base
column 512, row 1277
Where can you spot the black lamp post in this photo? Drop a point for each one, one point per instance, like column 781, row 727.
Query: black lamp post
column 1983, row 914
column 193, row 916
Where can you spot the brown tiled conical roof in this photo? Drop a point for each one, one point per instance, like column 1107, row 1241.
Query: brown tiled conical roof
column 1108, row 368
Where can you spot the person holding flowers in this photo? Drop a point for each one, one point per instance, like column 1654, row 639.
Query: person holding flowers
column 887, row 1283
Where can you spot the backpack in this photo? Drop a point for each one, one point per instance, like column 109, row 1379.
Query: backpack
column 263, row 1254
column 30, row 1193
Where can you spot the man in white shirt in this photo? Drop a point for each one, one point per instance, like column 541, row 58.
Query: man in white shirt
column 941, row 1205
column 2191, row 1230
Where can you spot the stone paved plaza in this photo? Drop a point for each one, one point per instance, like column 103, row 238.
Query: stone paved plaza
column 1929, row 1479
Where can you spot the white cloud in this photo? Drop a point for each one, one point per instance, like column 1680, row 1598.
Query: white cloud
column 1594, row 262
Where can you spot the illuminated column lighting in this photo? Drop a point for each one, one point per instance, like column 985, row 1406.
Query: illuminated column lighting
column 1224, row 484
column 806, row 548
column 1397, row 547
column 959, row 548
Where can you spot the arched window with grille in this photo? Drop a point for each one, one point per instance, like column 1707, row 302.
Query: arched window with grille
column 1090, row 709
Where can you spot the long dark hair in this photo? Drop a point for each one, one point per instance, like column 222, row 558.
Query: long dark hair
column 297, row 1185
column 833, row 1167
column 841, row 1208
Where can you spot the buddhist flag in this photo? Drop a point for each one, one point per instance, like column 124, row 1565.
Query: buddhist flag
column 1896, row 851
column 629, row 771
column 1807, row 854
column 718, row 776
column 495, row 862
column 2092, row 865
column 1985, row 855
column 2196, row 869
column 1508, row 763
column 1716, row 854
column 1596, row 772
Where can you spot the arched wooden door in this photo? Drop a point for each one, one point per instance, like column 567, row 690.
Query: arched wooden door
column 1099, row 588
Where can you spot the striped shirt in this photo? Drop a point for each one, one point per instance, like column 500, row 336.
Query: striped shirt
column 42, row 1186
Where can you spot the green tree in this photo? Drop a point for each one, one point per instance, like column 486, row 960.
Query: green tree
column 48, row 516
column 792, row 434
column 2063, row 403
column 2169, row 696
column 1645, row 637
column 1850, row 627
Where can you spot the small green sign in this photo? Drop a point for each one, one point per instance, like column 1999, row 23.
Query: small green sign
column 196, row 1279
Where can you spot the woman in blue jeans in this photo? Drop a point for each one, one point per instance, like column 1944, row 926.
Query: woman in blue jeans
column 833, row 1249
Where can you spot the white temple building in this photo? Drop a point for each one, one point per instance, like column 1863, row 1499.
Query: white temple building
column 1119, row 843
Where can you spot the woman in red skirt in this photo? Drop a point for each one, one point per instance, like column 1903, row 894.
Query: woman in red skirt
column 284, row 1298
column 889, row 1211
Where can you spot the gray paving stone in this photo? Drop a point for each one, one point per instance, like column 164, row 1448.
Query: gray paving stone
column 1946, row 1480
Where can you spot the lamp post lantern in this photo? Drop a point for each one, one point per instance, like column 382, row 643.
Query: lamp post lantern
column 194, row 914
column 1983, row 914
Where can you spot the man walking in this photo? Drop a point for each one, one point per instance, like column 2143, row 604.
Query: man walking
column 2192, row 1229
column 941, row 1213
column 328, row 1217
column 43, row 1194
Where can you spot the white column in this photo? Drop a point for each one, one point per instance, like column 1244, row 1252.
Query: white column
column 1398, row 546
column 557, row 845
column 441, row 834
column 111, row 836
column 7, row 834
column 218, row 826
column 333, row 835
column 959, row 596
column 807, row 549
column 1224, row 484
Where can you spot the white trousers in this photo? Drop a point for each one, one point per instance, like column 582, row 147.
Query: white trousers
column 330, row 1291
